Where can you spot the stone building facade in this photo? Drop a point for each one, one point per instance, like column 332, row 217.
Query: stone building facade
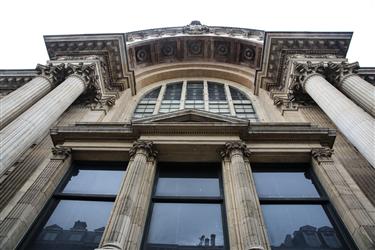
column 193, row 137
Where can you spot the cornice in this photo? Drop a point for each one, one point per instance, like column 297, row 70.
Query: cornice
column 110, row 48
column 278, row 46
column 12, row 79
column 254, row 132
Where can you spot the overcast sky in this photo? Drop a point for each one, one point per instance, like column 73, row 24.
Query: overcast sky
column 24, row 22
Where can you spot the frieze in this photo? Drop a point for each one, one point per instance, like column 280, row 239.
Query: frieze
column 11, row 80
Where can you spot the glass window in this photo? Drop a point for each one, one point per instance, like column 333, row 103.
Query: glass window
column 171, row 100
column 80, row 209
column 242, row 105
column 194, row 95
column 217, row 99
column 295, row 212
column 147, row 105
column 187, row 209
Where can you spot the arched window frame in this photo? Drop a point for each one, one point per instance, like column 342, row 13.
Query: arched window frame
column 229, row 103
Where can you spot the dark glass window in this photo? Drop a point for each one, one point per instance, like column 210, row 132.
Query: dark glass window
column 79, row 210
column 242, row 105
column 194, row 95
column 217, row 99
column 171, row 100
column 187, row 209
column 297, row 214
column 147, row 105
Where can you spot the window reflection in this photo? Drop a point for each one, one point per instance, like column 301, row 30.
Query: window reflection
column 186, row 225
column 299, row 227
column 284, row 184
column 188, row 187
column 91, row 181
column 74, row 225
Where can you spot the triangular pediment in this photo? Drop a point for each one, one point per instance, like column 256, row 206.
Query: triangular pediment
column 189, row 115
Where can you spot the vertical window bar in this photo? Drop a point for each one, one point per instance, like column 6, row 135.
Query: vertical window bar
column 183, row 95
column 160, row 98
column 230, row 101
column 205, row 91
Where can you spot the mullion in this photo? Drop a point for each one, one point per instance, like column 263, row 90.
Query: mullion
column 84, row 197
column 190, row 199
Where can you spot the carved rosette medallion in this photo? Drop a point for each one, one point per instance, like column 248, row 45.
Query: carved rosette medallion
column 54, row 73
column 323, row 154
column 146, row 147
column 337, row 72
column 232, row 147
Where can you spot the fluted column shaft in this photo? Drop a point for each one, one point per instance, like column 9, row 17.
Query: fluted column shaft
column 20, row 134
column 356, row 124
column 245, row 224
column 359, row 91
column 128, row 217
column 22, row 98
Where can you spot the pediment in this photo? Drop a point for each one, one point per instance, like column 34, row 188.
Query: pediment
column 189, row 116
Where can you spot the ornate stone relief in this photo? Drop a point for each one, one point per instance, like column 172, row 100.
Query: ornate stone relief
column 322, row 154
column 55, row 73
column 195, row 28
column 229, row 147
column 338, row 71
column 146, row 147
column 61, row 152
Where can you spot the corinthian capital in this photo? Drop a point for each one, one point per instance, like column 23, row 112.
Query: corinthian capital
column 85, row 71
column 146, row 147
column 338, row 71
column 55, row 73
column 230, row 147
column 303, row 71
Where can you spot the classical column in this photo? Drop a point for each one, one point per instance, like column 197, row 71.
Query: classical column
column 20, row 134
column 356, row 124
column 358, row 90
column 22, row 98
column 245, row 222
column 125, row 227
column 354, row 209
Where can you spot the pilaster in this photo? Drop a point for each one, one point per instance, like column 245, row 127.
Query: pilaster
column 354, row 209
column 15, row 225
column 245, row 223
column 127, row 221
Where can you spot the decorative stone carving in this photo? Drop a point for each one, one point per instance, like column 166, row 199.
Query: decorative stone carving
column 322, row 154
column 195, row 48
column 196, row 28
column 61, row 152
column 222, row 49
column 338, row 71
column 168, row 49
column 236, row 145
column 302, row 72
column 146, row 146
column 142, row 54
column 55, row 73
column 85, row 71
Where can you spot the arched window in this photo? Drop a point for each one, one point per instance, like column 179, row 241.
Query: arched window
column 211, row 96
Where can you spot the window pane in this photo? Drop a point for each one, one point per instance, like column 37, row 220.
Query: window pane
column 188, row 187
column 185, row 225
column 300, row 227
column 188, row 181
column 74, row 225
column 89, row 181
column 284, row 184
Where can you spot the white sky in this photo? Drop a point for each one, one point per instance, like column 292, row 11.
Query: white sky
column 24, row 22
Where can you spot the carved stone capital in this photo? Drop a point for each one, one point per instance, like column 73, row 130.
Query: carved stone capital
column 231, row 147
column 85, row 71
column 61, row 152
column 337, row 72
column 322, row 154
column 54, row 73
column 146, row 147
column 303, row 71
